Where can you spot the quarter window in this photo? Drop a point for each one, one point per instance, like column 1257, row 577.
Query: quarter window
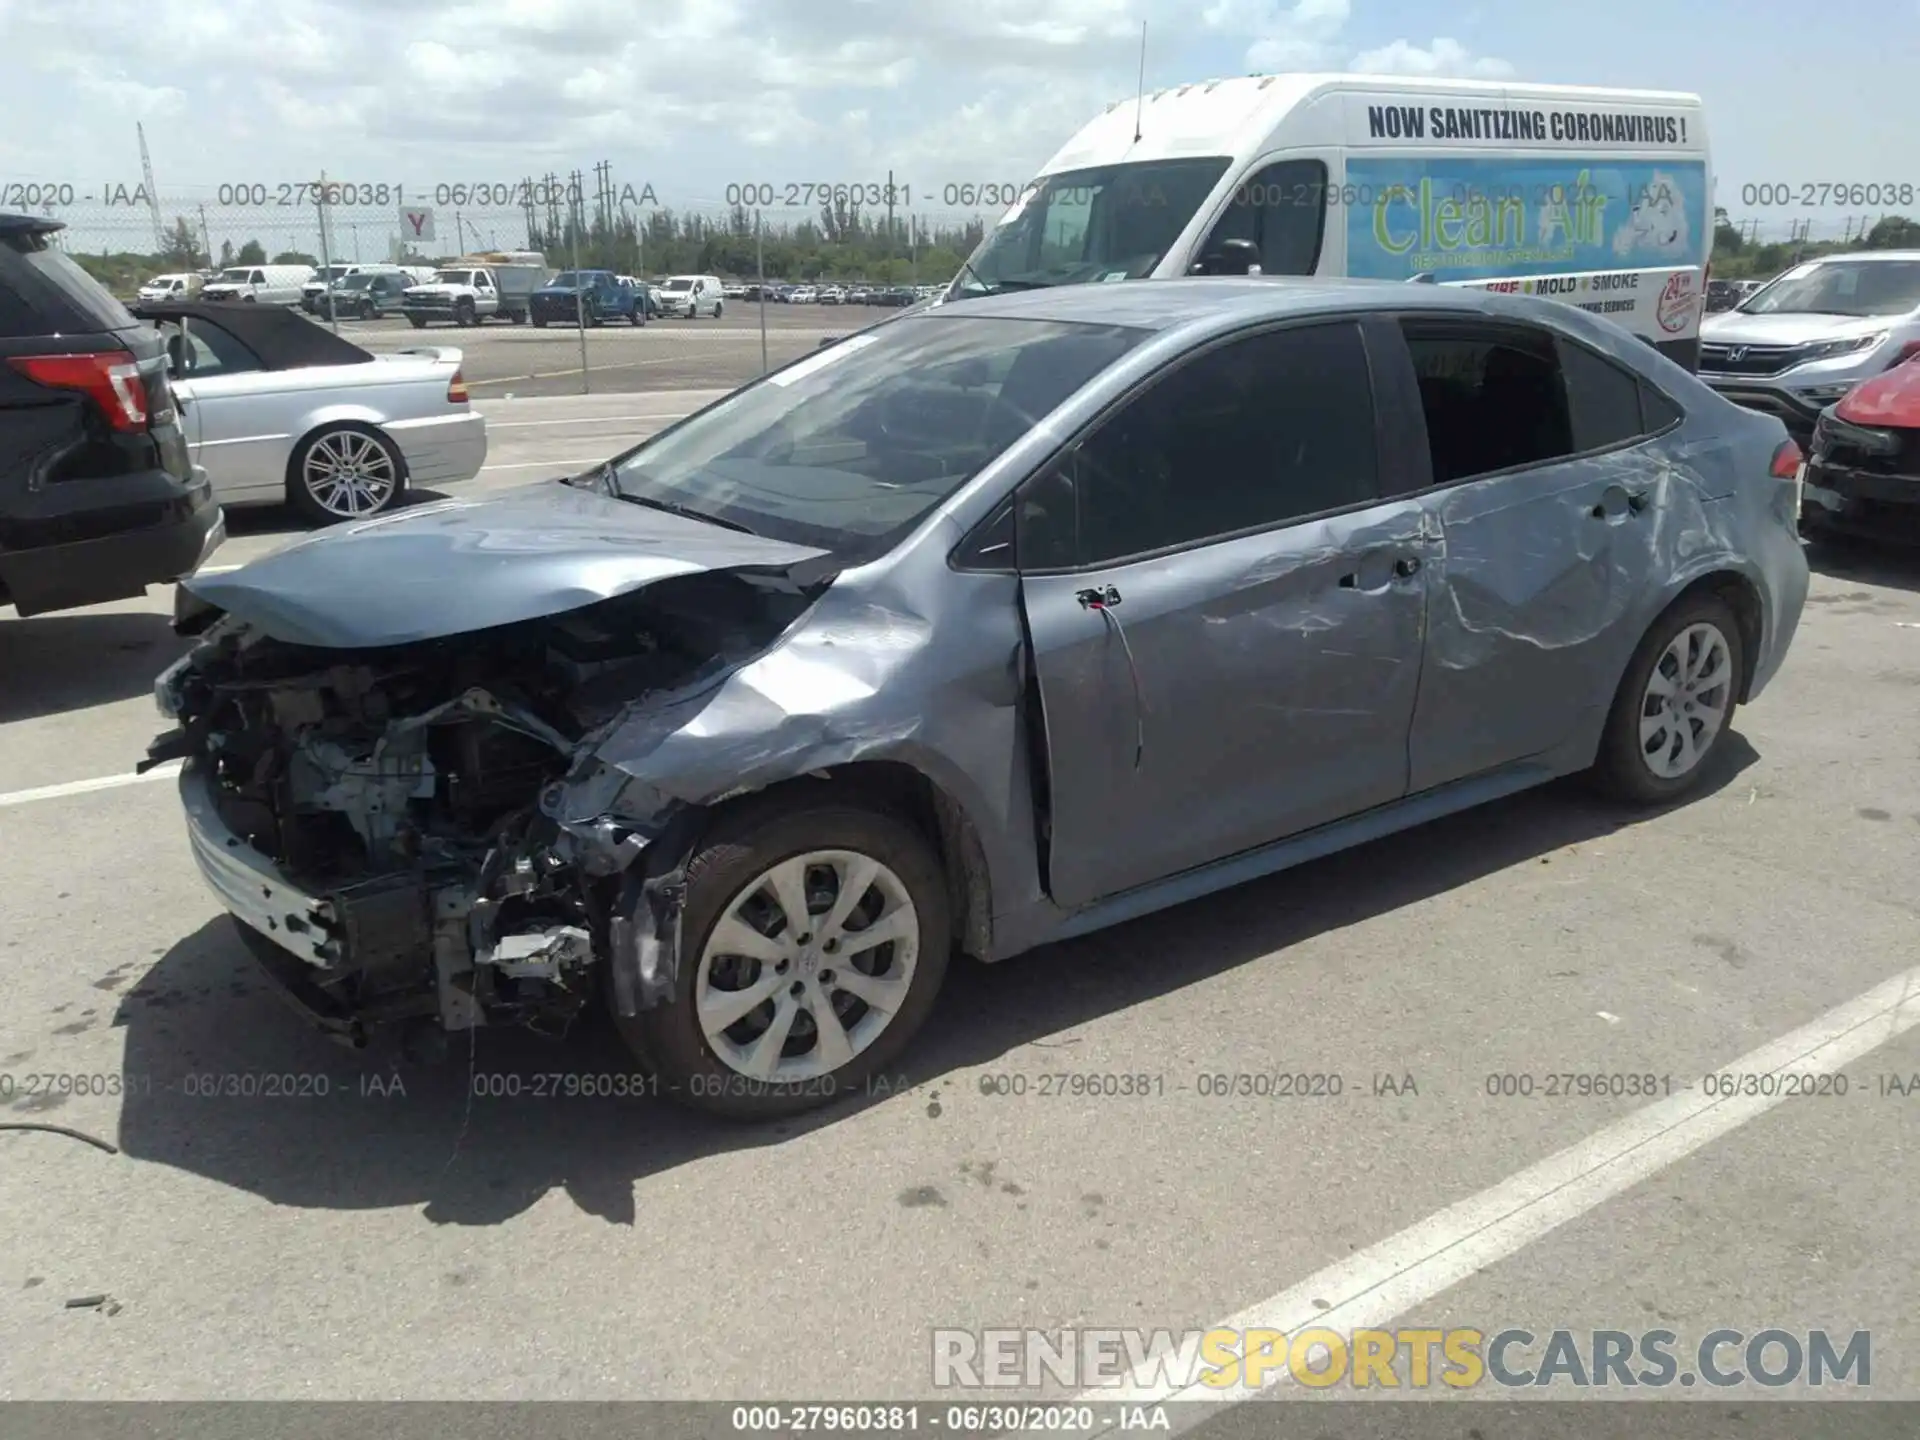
column 1603, row 401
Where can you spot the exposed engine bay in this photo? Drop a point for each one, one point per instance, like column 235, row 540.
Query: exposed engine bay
column 404, row 784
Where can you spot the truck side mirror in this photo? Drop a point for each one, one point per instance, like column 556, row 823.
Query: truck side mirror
column 1234, row 257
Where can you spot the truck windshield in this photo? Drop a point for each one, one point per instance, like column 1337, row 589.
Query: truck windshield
column 1105, row 223
column 452, row 277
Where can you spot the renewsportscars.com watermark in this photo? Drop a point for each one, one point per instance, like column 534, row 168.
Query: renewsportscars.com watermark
column 1229, row 1360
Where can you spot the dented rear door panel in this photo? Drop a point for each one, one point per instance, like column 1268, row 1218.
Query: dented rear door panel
column 1536, row 602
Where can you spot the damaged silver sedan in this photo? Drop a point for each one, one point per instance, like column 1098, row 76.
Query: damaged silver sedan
column 982, row 628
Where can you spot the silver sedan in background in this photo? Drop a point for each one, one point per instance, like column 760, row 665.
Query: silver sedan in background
column 982, row 628
column 277, row 410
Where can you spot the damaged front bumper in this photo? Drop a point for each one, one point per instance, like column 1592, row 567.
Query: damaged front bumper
column 250, row 885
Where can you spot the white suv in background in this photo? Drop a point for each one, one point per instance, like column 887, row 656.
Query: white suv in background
column 1808, row 337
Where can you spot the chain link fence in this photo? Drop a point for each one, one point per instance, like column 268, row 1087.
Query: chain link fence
column 752, row 234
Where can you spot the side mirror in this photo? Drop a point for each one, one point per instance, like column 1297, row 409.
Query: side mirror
column 1234, row 257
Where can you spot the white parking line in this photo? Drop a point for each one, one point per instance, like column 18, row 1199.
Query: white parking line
column 83, row 787
column 1375, row 1286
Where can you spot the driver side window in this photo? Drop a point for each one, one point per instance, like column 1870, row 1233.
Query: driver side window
column 1281, row 208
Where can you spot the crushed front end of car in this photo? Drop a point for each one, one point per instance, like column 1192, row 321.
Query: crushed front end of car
column 388, row 821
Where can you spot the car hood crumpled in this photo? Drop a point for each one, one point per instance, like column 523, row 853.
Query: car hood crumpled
column 458, row 566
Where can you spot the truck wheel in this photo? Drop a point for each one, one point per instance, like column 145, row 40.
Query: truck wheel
column 463, row 314
column 815, row 937
column 716, row 309
column 635, row 317
column 417, row 322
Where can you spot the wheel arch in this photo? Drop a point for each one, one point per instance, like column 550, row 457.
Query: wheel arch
column 900, row 789
column 1743, row 596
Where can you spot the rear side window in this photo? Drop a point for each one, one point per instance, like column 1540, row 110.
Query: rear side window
column 1493, row 398
column 1603, row 401
column 1657, row 412
column 42, row 291
column 1257, row 432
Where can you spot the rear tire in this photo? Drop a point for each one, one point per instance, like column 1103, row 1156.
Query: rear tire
column 416, row 322
column 345, row 472
column 731, row 879
column 1675, row 704
column 716, row 309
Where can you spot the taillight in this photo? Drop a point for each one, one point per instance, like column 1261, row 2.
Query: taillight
column 457, row 389
column 111, row 377
column 1786, row 461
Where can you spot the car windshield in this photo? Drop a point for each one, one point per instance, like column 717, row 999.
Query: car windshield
column 1842, row 287
column 679, row 284
column 235, row 277
column 1105, row 223
column 356, row 282
column 565, row 277
column 850, row 447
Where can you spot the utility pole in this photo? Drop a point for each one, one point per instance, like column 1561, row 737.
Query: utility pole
column 206, row 235
column 326, row 259
column 760, row 274
column 577, row 195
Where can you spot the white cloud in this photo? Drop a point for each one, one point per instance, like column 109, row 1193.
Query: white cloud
column 1444, row 57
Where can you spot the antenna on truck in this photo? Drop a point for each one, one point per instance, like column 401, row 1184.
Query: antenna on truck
column 1140, row 94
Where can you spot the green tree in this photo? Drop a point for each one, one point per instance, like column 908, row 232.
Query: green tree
column 183, row 246
column 1894, row 232
column 251, row 253
column 226, row 253
column 295, row 257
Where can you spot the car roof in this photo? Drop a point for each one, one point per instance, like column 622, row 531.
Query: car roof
column 1173, row 304
column 281, row 338
column 16, row 224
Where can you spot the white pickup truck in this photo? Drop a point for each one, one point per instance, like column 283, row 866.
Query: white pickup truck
column 475, row 288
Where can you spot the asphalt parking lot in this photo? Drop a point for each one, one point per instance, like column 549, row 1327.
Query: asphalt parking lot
column 520, row 360
column 386, row 1234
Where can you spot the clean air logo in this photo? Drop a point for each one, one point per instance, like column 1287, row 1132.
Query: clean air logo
column 1226, row 1360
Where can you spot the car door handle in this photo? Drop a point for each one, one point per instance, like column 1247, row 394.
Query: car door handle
column 1407, row 566
column 1098, row 599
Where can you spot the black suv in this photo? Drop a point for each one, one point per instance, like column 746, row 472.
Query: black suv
column 98, row 499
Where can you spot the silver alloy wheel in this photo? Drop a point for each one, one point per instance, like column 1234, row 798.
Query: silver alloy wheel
column 807, row 966
column 1686, row 700
column 348, row 474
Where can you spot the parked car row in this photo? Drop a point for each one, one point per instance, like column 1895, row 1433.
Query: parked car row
column 124, row 432
column 881, row 295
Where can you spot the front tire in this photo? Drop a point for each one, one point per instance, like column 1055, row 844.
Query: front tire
column 1674, row 705
column 344, row 473
column 716, row 309
column 783, row 1001
column 463, row 314
column 416, row 322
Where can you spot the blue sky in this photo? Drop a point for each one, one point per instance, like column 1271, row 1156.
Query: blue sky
column 691, row 96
